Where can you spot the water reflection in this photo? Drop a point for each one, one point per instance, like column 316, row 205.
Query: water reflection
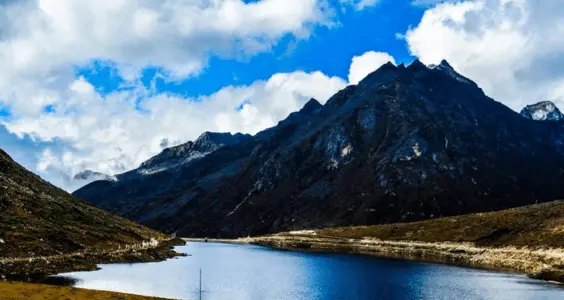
column 251, row 272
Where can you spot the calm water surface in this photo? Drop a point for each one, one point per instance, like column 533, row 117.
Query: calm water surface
column 253, row 272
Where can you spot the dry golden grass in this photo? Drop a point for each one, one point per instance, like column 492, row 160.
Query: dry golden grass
column 534, row 227
column 21, row 291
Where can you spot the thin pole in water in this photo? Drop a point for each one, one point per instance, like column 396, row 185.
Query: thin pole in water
column 200, row 283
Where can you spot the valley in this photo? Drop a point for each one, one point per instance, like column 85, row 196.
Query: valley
column 282, row 149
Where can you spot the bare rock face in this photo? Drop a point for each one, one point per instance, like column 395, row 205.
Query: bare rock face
column 542, row 111
column 405, row 144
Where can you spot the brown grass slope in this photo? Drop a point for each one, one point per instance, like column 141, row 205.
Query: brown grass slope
column 534, row 227
column 39, row 219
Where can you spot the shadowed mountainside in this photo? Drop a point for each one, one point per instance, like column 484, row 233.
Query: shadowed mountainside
column 405, row 144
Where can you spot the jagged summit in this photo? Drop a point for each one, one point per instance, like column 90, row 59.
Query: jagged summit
column 387, row 70
column 416, row 65
column 446, row 68
column 542, row 111
column 311, row 106
column 386, row 150
column 445, row 63
column 175, row 157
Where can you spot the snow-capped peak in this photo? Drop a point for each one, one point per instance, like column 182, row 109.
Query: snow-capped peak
column 542, row 111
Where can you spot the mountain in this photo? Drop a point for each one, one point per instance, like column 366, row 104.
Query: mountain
column 39, row 219
column 176, row 157
column 89, row 175
column 407, row 143
column 542, row 111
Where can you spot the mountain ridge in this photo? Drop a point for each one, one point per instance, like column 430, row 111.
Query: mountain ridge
column 388, row 149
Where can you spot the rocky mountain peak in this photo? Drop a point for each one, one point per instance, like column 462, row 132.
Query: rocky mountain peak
column 416, row 65
column 178, row 156
column 388, row 149
column 445, row 64
column 542, row 111
column 446, row 68
column 311, row 106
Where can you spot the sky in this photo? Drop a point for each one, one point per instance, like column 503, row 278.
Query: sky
column 104, row 85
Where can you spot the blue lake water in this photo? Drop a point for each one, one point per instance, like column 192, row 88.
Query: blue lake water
column 253, row 272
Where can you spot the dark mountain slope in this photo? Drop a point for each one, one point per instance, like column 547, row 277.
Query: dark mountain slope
column 36, row 218
column 406, row 144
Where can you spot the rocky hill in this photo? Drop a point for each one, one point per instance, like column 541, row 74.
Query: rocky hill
column 405, row 144
column 542, row 111
column 39, row 219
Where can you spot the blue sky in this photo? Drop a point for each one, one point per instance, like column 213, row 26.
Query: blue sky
column 104, row 85
column 328, row 49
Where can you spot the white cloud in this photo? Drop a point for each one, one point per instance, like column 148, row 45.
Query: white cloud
column 367, row 63
column 512, row 48
column 109, row 134
column 430, row 2
column 42, row 41
column 360, row 4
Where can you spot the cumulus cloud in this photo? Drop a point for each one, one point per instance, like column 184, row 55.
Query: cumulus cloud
column 114, row 133
column 512, row 48
column 42, row 41
column 366, row 63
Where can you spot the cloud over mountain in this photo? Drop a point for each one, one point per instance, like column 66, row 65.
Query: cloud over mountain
column 513, row 49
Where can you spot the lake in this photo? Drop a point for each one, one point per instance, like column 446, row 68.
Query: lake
column 254, row 272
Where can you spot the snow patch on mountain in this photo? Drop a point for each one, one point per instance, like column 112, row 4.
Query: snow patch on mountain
column 178, row 156
column 542, row 111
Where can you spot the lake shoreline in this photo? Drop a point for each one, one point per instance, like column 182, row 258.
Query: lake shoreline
column 39, row 269
column 36, row 279
column 538, row 264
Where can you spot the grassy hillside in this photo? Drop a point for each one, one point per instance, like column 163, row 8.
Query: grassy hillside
column 536, row 226
column 37, row 218
column 43, row 222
